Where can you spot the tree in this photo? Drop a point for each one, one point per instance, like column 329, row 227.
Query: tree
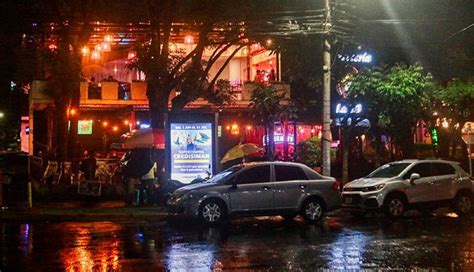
column 405, row 90
column 351, row 125
column 68, row 30
column 213, row 24
column 453, row 107
column 366, row 88
column 393, row 100
column 266, row 107
column 309, row 152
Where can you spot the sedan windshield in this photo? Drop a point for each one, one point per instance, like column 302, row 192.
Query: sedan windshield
column 388, row 170
column 218, row 177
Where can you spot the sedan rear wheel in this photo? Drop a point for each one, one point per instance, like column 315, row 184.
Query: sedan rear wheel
column 313, row 210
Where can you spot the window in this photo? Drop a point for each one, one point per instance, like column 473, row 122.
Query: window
column 388, row 170
column 441, row 169
column 423, row 169
column 285, row 173
column 258, row 174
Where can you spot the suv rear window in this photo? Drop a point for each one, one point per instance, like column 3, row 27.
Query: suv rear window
column 441, row 169
column 285, row 173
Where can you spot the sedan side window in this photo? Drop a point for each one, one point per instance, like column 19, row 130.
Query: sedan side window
column 286, row 173
column 423, row 169
column 258, row 174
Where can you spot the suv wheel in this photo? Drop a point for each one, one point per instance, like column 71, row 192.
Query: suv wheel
column 212, row 212
column 395, row 206
column 313, row 210
column 463, row 204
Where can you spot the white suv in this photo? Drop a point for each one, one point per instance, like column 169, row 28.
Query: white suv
column 422, row 184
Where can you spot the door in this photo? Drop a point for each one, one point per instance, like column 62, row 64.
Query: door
column 290, row 183
column 446, row 177
column 253, row 190
column 423, row 189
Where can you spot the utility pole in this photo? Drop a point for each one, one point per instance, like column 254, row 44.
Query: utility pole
column 326, row 135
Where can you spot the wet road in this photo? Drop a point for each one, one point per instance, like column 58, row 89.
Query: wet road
column 267, row 243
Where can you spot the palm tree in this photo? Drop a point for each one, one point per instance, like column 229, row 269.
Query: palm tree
column 266, row 108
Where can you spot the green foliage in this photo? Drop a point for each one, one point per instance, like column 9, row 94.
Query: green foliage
column 222, row 95
column 453, row 104
column 309, row 152
column 265, row 104
column 456, row 100
column 393, row 100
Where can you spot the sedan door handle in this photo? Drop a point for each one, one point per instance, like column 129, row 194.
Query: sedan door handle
column 431, row 183
column 302, row 186
column 266, row 188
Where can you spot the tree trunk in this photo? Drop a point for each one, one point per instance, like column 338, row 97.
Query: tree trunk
column 378, row 148
column 74, row 153
column 345, row 163
column 158, row 104
column 346, row 140
column 271, row 140
column 60, row 152
column 285, row 140
column 295, row 135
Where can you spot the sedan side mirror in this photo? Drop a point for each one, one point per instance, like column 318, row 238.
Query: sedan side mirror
column 414, row 177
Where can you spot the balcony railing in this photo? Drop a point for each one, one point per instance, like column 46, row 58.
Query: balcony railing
column 134, row 93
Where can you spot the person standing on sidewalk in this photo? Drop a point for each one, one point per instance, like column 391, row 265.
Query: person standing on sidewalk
column 89, row 166
column 148, row 182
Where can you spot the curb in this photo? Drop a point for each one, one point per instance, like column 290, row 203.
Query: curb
column 47, row 216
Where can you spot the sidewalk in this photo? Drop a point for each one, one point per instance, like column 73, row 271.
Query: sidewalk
column 83, row 211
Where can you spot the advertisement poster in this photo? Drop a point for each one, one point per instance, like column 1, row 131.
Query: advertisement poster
column 191, row 151
column 84, row 127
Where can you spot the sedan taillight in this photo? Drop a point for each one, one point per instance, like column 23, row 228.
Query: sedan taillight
column 336, row 185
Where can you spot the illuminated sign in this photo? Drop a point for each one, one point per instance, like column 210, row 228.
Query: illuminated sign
column 434, row 136
column 357, row 58
column 342, row 109
column 84, row 127
column 191, row 151
column 278, row 138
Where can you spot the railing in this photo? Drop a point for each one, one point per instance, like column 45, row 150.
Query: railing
column 135, row 93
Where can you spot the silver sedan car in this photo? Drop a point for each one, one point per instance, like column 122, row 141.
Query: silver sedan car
column 264, row 188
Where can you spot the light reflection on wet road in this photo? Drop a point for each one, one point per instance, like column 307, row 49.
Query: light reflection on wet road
column 253, row 244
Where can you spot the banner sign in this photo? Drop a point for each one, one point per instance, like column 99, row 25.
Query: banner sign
column 84, row 127
column 191, row 151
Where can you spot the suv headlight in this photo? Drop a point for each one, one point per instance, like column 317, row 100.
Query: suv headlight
column 373, row 188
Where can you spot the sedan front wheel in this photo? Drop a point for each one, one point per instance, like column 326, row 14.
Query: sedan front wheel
column 212, row 212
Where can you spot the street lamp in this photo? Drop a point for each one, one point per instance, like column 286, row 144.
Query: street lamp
column 2, row 115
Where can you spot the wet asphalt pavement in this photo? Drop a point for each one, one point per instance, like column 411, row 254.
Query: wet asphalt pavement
column 264, row 243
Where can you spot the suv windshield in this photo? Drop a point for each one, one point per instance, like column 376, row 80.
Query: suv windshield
column 388, row 170
column 218, row 177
